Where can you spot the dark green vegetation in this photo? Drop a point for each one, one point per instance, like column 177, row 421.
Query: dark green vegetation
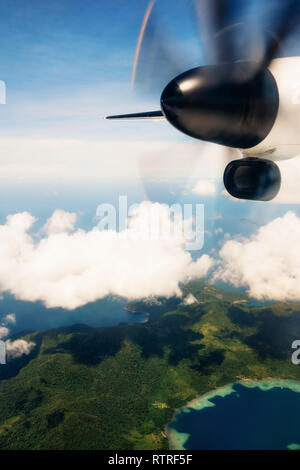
column 117, row 387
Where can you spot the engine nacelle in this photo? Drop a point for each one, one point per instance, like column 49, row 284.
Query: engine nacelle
column 252, row 178
column 223, row 104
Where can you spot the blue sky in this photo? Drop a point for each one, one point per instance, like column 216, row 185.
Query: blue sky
column 68, row 63
column 63, row 61
column 66, row 43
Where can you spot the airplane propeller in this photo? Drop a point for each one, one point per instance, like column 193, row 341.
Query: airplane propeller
column 203, row 76
column 225, row 31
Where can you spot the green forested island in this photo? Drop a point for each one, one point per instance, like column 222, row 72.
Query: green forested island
column 117, row 387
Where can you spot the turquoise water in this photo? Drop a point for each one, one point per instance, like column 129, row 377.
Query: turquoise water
column 244, row 415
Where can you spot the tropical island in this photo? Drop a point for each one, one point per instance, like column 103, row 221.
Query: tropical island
column 118, row 387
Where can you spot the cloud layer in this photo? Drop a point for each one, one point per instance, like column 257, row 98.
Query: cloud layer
column 44, row 160
column 68, row 268
column 267, row 263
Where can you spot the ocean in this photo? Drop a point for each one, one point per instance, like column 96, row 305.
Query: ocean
column 241, row 416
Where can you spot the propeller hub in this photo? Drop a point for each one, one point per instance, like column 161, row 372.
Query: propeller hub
column 227, row 104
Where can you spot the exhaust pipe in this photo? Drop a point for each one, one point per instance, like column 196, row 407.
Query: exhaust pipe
column 252, row 178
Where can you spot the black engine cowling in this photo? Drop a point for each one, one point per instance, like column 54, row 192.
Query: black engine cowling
column 223, row 104
column 252, row 178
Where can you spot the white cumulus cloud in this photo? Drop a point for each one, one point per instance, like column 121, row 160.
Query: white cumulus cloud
column 205, row 188
column 18, row 348
column 60, row 221
column 267, row 263
column 69, row 269
column 190, row 299
column 10, row 318
column 3, row 331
